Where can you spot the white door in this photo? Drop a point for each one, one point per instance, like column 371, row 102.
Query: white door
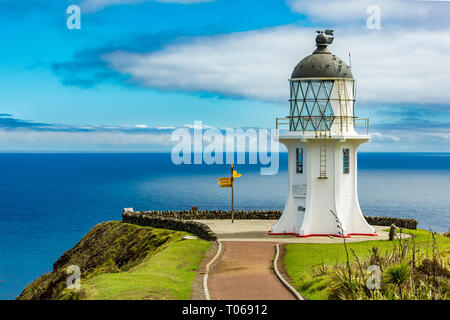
column 300, row 207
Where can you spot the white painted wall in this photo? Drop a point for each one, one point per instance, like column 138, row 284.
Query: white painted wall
column 337, row 193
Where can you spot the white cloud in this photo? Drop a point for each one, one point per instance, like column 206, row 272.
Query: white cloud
column 125, row 137
column 405, row 140
column 397, row 66
column 382, row 137
column 96, row 5
column 139, row 137
column 69, row 140
column 154, row 139
column 197, row 126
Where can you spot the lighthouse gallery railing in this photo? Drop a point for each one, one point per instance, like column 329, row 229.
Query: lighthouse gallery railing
column 359, row 124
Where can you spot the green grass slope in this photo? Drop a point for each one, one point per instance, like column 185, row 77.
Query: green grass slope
column 124, row 261
column 168, row 274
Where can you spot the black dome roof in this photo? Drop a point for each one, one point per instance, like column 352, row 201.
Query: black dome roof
column 321, row 63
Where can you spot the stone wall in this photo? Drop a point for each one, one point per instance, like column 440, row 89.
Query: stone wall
column 180, row 220
column 215, row 214
column 387, row 221
column 139, row 218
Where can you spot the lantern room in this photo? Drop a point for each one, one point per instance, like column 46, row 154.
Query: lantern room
column 322, row 93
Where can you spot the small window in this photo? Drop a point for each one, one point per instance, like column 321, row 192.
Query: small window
column 346, row 161
column 299, row 160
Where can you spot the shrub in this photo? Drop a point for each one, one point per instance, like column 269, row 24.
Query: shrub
column 407, row 275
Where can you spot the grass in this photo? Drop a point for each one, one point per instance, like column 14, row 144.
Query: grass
column 124, row 261
column 303, row 262
column 168, row 274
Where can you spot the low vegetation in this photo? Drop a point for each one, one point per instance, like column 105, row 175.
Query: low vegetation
column 167, row 275
column 409, row 268
column 124, row 261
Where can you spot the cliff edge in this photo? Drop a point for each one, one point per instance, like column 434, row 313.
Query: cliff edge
column 112, row 248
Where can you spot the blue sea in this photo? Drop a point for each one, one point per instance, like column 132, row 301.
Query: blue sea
column 49, row 201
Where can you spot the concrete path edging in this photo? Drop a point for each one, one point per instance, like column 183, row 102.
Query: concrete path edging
column 275, row 267
column 282, row 279
column 205, row 277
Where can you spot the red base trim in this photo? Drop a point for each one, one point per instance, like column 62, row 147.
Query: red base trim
column 281, row 234
column 363, row 234
column 322, row 235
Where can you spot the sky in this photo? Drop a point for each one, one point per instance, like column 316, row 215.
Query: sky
column 138, row 69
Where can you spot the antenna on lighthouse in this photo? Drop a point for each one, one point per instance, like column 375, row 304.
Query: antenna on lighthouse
column 350, row 60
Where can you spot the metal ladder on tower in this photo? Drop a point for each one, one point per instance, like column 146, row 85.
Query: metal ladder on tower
column 342, row 93
column 323, row 159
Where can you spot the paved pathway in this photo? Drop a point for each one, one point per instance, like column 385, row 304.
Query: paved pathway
column 256, row 230
column 244, row 272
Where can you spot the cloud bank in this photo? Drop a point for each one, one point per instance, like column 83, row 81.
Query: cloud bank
column 393, row 12
column 21, row 135
column 400, row 66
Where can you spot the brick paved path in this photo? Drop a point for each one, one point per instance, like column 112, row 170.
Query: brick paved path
column 244, row 272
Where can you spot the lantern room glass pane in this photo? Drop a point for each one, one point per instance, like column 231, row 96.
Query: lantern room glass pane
column 329, row 110
column 322, row 93
column 316, row 110
column 312, row 99
column 315, row 86
column 328, row 86
column 310, row 107
column 304, row 87
column 311, row 90
column 309, row 93
column 304, row 112
column 322, row 105
column 295, row 90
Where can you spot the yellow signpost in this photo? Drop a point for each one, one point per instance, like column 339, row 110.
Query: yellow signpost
column 224, row 181
column 227, row 182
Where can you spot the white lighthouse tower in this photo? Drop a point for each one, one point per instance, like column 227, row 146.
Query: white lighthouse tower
column 322, row 142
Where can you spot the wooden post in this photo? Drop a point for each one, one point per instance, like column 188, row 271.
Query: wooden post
column 232, row 195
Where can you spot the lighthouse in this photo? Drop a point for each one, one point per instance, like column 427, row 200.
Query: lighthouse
column 322, row 136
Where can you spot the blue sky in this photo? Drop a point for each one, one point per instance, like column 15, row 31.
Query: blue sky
column 136, row 66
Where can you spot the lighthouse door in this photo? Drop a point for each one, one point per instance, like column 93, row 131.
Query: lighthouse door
column 300, row 207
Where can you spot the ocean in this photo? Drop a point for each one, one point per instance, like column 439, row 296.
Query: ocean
column 49, row 201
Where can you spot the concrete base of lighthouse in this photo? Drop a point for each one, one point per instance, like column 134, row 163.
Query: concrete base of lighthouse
column 312, row 196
